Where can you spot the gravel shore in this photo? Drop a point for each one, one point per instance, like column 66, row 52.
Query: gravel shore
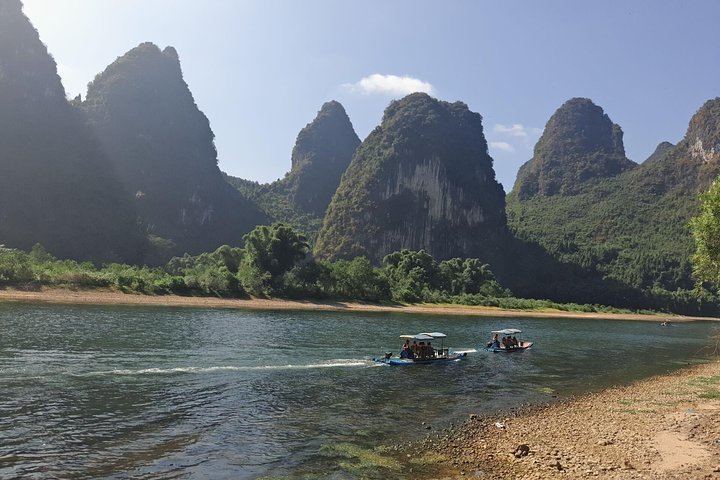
column 666, row 427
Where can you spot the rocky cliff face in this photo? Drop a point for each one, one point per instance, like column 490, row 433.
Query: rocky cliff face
column 702, row 141
column 162, row 146
column 321, row 155
column 421, row 180
column 56, row 187
column 579, row 145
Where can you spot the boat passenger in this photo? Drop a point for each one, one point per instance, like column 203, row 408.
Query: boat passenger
column 495, row 342
column 406, row 353
column 505, row 343
column 513, row 342
column 430, row 350
column 422, row 350
column 414, row 347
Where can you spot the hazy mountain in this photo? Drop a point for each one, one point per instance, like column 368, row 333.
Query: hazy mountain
column 423, row 179
column 162, row 147
column 56, row 187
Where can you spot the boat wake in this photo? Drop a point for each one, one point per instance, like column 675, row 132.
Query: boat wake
column 471, row 350
column 338, row 363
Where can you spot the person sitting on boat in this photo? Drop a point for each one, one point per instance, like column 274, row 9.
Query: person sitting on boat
column 513, row 342
column 414, row 347
column 406, row 352
column 505, row 343
column 494, row 343
column 421, row 350
column 430, row 350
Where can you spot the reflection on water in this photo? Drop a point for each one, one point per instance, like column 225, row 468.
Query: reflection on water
column 172, row 393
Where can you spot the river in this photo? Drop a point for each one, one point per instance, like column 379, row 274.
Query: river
column 129, row 392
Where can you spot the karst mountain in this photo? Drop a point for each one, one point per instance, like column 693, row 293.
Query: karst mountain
column 162, row 147
column 58, row 186
column 422, row 179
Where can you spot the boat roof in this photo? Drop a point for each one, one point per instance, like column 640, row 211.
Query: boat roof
column 424, row 336
column 435, row 334
column 507, row 331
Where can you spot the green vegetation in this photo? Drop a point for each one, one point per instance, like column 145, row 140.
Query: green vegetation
column 709, row 387
column 270, row 252
column 416, row 276
column 277, row 206
column 358, row 460
column 275, row 263
column 706, row 232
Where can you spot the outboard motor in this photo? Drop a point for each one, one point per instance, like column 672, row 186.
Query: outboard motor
column 388, row 355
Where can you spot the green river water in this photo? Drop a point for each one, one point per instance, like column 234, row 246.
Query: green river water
column 126, row 392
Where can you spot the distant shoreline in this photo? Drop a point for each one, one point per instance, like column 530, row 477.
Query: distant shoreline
column 107, row 297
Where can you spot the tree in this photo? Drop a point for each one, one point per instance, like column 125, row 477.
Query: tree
column 411, row 274
column 358, row 279
column 270, row 251
column 706, row 232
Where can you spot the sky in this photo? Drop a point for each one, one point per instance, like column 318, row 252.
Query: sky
column 261, row 69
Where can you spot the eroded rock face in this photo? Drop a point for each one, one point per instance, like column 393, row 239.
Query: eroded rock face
column 162, row 146
column 703, row 134
column 580, row 144
column 421, row 180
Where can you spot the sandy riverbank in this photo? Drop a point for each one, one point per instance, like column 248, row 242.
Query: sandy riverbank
column 666, row 427
column 105, row 297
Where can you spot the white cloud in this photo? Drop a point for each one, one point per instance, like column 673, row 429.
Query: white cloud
column 389, row 85
column 516, row 130
column 502, row 146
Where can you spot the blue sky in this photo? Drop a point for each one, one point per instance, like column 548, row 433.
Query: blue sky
column 260, row 70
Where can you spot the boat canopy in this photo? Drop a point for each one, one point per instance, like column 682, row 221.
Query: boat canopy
column 424, row 336
column 507, row 331
column 435, row 334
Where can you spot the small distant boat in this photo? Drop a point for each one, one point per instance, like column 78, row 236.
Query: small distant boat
column 419, row 352
column 498, row 346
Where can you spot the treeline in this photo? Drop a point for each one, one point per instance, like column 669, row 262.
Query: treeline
column 276, row 262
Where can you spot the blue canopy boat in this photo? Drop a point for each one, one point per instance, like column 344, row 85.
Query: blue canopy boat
column 421, row 353
column 495, row 345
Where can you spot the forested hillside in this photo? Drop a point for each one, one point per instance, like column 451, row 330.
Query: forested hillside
column 633, row 226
